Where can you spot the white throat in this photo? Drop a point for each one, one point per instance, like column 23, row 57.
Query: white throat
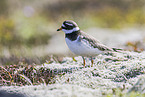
column 70, row 31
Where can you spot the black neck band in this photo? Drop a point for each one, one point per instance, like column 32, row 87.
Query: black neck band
column 72, row 36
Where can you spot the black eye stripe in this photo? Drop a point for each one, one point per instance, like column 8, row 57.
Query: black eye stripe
column 67, row 28
column 68, row 25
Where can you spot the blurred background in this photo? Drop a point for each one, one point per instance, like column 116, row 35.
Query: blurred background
column 28, row 27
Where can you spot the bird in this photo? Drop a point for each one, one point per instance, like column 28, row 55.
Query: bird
column 81, row 43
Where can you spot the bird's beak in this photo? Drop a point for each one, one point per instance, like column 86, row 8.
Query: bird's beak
column 59, row 29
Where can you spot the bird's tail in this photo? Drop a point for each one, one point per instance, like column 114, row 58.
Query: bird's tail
column 117, row 49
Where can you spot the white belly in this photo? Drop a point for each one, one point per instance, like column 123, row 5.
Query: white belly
column 81, row 48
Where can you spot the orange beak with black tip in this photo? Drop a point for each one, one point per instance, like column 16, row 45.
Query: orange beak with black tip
column 59, row 29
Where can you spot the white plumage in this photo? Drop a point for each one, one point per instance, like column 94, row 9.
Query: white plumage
column 82, row 48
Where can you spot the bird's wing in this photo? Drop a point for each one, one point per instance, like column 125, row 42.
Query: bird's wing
column 93, row 42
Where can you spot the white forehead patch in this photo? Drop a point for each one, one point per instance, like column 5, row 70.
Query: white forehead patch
column 69, row 24
column 63, row 25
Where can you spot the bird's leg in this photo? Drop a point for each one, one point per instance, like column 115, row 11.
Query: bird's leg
column 84, row 62
column 92, row 61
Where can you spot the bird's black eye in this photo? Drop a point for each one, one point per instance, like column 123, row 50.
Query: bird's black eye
column 67, row 26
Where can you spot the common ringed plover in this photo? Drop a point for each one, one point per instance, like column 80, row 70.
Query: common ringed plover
column 80, row 43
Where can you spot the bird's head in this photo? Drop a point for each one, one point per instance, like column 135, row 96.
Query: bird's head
column 68, row 26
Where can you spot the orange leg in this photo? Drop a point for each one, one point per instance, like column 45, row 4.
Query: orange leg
column 84, row 62
column 92, row 61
